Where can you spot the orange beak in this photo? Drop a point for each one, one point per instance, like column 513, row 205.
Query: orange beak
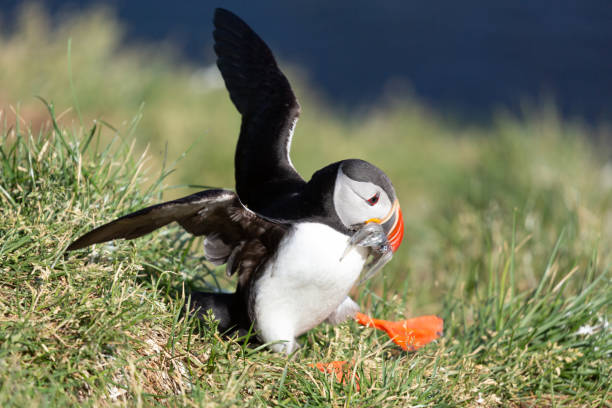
column 396, row 231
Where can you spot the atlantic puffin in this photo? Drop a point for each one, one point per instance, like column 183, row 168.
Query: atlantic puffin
column 297, row 246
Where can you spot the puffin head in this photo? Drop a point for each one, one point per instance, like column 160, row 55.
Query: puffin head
column 351, row 193
column 362, row 194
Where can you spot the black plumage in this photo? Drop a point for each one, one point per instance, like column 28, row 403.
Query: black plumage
column 262, row 94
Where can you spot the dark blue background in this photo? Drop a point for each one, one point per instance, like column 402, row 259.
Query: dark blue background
column 466, row 57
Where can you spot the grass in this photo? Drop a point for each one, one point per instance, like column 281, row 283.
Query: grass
column 508, row 238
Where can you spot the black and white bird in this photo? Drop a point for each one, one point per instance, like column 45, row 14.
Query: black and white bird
column 297, row 247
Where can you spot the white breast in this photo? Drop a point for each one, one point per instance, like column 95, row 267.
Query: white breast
column 305, row 282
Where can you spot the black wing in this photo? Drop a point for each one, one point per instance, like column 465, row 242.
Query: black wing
column 269, row 109
column 188, row 211
column 234, row 234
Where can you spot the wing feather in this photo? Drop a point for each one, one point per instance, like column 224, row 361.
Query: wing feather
column 263, row 95
column 231, row 229
column 142, row 222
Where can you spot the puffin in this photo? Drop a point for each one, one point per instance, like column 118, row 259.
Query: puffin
column 296, row 246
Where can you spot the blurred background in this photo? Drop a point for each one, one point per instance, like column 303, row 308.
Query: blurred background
column 486, row 116
column 466, row 59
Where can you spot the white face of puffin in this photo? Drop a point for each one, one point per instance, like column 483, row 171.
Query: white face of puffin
column 356, row 202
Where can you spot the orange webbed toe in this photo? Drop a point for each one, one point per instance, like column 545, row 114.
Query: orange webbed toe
column 341, row 369
column 409, row 334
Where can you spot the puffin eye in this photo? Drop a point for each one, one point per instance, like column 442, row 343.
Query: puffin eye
column 374, row 199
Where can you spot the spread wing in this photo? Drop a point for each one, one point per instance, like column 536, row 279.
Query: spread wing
column 269, row 109
column 233, row 233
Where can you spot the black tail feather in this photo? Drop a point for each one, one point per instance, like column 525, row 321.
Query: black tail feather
column 228, row 309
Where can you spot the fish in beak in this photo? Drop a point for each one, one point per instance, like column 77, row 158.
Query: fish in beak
column 393, row 225
column 382, row 236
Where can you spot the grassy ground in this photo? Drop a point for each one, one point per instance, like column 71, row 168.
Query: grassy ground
column 508, row 238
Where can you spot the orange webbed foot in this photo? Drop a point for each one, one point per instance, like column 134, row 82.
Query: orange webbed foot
column 409, row 334
column 341, row 369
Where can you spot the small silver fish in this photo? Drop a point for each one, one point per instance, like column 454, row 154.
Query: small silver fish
column 372, row 236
